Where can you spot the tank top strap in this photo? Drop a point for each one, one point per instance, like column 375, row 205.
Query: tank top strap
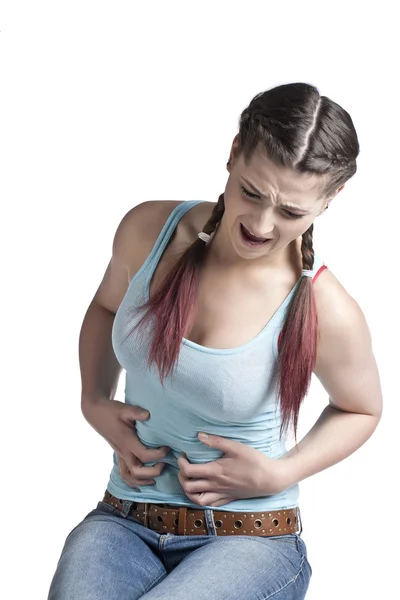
column 165, row 235
column 318, row 266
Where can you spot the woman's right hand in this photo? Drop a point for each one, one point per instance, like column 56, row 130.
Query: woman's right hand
column 115, row 421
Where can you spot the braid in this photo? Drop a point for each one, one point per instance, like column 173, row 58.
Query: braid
column 307, row 250
column 216, row 216
column 298, row 342
column 173, row 303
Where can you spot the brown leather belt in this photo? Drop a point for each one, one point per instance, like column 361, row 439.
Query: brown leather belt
column 184, row 520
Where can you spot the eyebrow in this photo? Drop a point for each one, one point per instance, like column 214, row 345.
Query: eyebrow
column 289, row 206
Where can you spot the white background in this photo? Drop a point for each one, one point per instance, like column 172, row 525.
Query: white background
column 107, row 104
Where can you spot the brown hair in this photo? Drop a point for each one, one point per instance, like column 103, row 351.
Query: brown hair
column 301, row 130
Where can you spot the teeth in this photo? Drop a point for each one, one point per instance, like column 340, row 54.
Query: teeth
column 256, row 238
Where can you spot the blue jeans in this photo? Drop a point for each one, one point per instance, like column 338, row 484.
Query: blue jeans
column 112, row 557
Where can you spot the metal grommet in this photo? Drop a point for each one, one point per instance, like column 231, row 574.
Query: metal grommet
column 238, row 524
column 198, row 523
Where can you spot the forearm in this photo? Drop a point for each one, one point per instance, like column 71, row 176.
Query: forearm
column 335, row 435
column 99, row 367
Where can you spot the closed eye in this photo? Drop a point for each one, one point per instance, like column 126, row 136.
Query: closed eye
column 286, row 213
column 248, row 194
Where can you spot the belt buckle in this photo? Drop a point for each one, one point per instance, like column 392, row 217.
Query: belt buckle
column 299, row 521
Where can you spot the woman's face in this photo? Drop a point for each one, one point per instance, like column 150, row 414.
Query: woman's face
column 267, row 207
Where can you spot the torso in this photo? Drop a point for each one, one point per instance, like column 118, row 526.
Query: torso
column 231, row 310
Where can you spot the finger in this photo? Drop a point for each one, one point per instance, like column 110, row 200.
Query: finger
column 194, row 471
column 134, row 413
column 196, row 486
column 130, row 479
column 220, row 502
column 130, row 461
column 142, row 472
column 144, row 453
column 133, row 482
column 211, row 499
column 148, row 455
column 122, row 465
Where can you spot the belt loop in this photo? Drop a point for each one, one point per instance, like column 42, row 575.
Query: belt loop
column 182, row 520
column 146, row 514
column 209, row 518
column 126, row 507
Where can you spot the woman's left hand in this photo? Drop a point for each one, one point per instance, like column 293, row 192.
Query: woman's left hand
column 241, row 472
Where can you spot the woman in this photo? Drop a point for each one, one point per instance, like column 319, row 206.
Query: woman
column 220, row 313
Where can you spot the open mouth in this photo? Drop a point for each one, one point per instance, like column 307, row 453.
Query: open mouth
column 250, row 239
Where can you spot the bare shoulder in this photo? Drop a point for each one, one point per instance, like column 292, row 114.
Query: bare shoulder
column 138, row 231
column 133, row 240
column 141, row 226
column 345, row 364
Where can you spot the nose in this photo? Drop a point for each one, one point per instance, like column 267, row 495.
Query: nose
column 264, row 222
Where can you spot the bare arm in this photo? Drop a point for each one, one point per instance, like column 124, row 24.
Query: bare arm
column 99, row 367
column 100, row 370
column 132, row 243
column 347, row 369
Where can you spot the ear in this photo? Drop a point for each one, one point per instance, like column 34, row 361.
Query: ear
column 233, row 152
column 334, row 195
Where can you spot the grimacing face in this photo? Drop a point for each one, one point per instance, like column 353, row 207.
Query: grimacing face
column 267, row 207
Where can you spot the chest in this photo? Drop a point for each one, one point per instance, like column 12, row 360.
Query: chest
column 230, row 313
column 231, row 309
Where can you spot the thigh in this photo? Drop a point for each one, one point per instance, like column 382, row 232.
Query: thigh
column 104, row 559
column 239, row 569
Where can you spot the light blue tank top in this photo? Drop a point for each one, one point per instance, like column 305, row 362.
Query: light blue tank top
column 227, row 392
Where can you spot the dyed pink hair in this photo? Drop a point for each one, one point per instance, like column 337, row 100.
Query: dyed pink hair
column 172, row 306
column 298, row 129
